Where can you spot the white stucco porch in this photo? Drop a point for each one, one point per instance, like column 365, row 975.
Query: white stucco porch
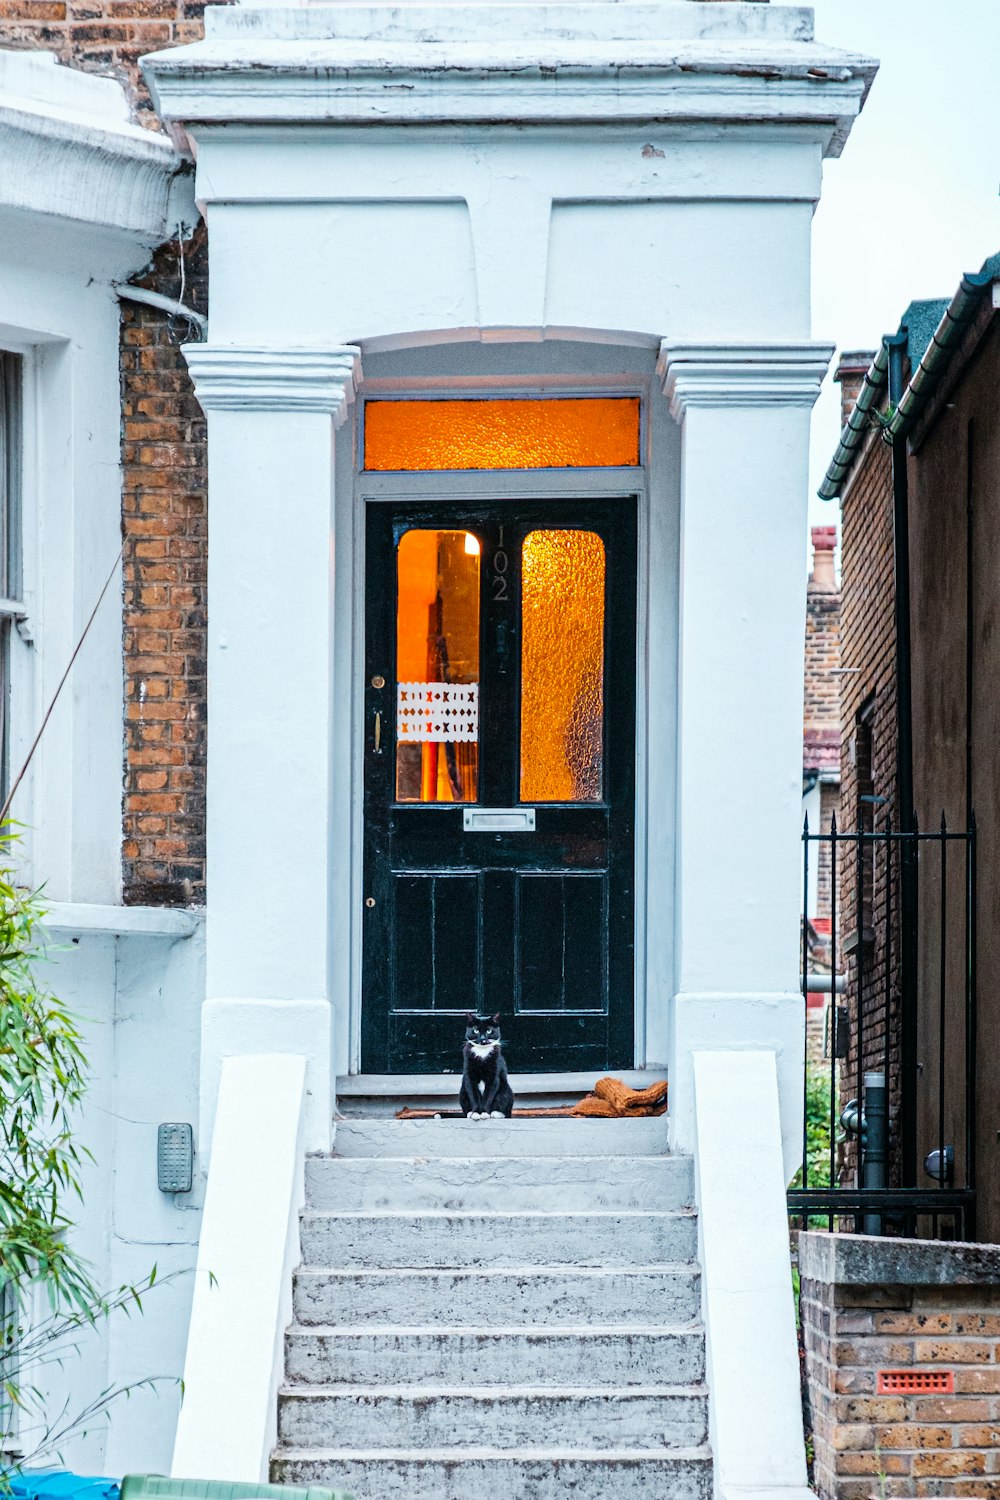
column 504, row 200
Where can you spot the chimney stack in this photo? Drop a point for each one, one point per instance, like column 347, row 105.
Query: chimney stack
column 823, row 579
column 850, row 374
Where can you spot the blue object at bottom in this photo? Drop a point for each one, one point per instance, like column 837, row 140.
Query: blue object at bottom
column 60, row 1484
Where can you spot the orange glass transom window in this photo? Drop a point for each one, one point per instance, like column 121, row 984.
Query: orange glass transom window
column 565, row 433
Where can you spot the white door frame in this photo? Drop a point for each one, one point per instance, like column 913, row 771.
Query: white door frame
column 477, row 485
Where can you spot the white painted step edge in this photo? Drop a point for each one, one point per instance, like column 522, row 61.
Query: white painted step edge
column 514, row 1330
column 541, row 1215
column 422, row 1394
column 425, row 1456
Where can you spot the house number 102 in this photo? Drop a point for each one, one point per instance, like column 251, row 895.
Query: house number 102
column 500, row 562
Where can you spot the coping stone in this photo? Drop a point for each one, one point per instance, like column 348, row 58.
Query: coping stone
column 872, row 1260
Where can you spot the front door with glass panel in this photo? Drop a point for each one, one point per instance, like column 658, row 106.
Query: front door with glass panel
column 499, row 781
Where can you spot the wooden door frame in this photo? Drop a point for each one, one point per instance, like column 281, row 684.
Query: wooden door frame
column 615, row 519
column 493, row 486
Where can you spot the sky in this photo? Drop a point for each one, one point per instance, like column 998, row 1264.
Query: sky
column 913, row 201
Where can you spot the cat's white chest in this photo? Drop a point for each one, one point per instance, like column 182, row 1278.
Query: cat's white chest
column 482, row 1050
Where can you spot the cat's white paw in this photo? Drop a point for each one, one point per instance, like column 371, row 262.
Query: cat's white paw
column 496, row 1114
column 472, row 1115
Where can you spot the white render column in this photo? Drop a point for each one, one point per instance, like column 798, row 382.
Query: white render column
column 744, row 413
column 272, row 414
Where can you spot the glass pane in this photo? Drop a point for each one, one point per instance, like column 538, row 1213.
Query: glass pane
column 562, row 667
column 10, row 466
column 592, row 432
column 437, row 667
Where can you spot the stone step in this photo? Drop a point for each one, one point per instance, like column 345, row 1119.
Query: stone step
column 638, row 1297
column 502, row 1417
column 358, row 1184
column 474, row 1473
column 617, row 1357
column 444, row 1240
column 556, row 1137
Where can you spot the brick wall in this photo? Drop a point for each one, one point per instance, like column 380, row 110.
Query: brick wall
column 869, row 1305
column 164, row 500
column 164, row 514
column 821, row 709
column 868, row 709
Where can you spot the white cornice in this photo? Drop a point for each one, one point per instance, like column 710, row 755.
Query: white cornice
column 68, row 151
column 741, row 374
column 501, row 77
column 234, row 378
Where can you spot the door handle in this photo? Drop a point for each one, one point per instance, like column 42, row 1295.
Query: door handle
column 378, row 733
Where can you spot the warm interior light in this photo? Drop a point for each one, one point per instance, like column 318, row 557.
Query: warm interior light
column 437, row 666
column 562, row 666
column 548, row 433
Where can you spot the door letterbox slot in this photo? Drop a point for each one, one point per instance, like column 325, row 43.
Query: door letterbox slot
column 498, row 820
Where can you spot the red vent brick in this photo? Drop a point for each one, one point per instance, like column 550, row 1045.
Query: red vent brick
column 916, row 1382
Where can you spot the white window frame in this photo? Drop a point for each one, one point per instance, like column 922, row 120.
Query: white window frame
column 14, row 627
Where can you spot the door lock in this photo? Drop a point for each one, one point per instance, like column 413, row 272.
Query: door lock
column 378, row 682
column 369, row 902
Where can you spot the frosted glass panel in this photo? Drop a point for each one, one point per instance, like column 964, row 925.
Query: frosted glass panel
column 555, row 434
column 562, row 667
column 437, row 666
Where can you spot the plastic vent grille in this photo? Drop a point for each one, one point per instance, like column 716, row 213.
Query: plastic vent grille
column 916, row 1382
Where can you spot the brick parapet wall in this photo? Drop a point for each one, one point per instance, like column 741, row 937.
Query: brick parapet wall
column 868, row 1444
column 164, row 480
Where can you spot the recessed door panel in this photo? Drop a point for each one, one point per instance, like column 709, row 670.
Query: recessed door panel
column 499, row 782
column 436, row 927
column 562, row 942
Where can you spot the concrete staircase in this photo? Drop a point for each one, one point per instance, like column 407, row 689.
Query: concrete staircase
column 497, row 1308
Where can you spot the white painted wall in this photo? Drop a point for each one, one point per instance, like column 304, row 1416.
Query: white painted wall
column 243, row 1283
column 138, row 993
column 752, row 1353
column 84, row 197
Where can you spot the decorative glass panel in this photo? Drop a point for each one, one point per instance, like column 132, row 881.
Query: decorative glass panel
column 592, row 432
column 437, row 666
column 562, row 667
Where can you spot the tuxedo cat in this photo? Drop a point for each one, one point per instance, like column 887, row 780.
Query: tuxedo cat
column 486, row 1092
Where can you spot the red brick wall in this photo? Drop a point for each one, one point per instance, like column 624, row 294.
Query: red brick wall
column 165, row 521
column 869, row 1445
column 867, row 645
column 164, row 498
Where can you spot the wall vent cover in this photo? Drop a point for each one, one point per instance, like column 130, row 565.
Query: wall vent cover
column 915, row 1382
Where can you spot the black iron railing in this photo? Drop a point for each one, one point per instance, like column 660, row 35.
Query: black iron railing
column 889, row 1088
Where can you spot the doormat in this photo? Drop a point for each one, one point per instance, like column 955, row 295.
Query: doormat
column 611, row 1100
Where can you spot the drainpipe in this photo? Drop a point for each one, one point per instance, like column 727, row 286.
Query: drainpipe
column 906, row 813
column 876, row 1143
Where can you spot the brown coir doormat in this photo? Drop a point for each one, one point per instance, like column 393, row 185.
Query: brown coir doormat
column 611, row 1100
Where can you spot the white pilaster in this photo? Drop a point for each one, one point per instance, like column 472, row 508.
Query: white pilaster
column 272, row 414
column 744, row 413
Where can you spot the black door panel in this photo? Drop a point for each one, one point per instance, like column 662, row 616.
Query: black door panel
column 536, row 924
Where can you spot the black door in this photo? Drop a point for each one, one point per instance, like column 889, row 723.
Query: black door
column 499, row 782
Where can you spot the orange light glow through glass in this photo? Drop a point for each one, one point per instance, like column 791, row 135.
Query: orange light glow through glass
column 562, row 667
column 563, row 433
